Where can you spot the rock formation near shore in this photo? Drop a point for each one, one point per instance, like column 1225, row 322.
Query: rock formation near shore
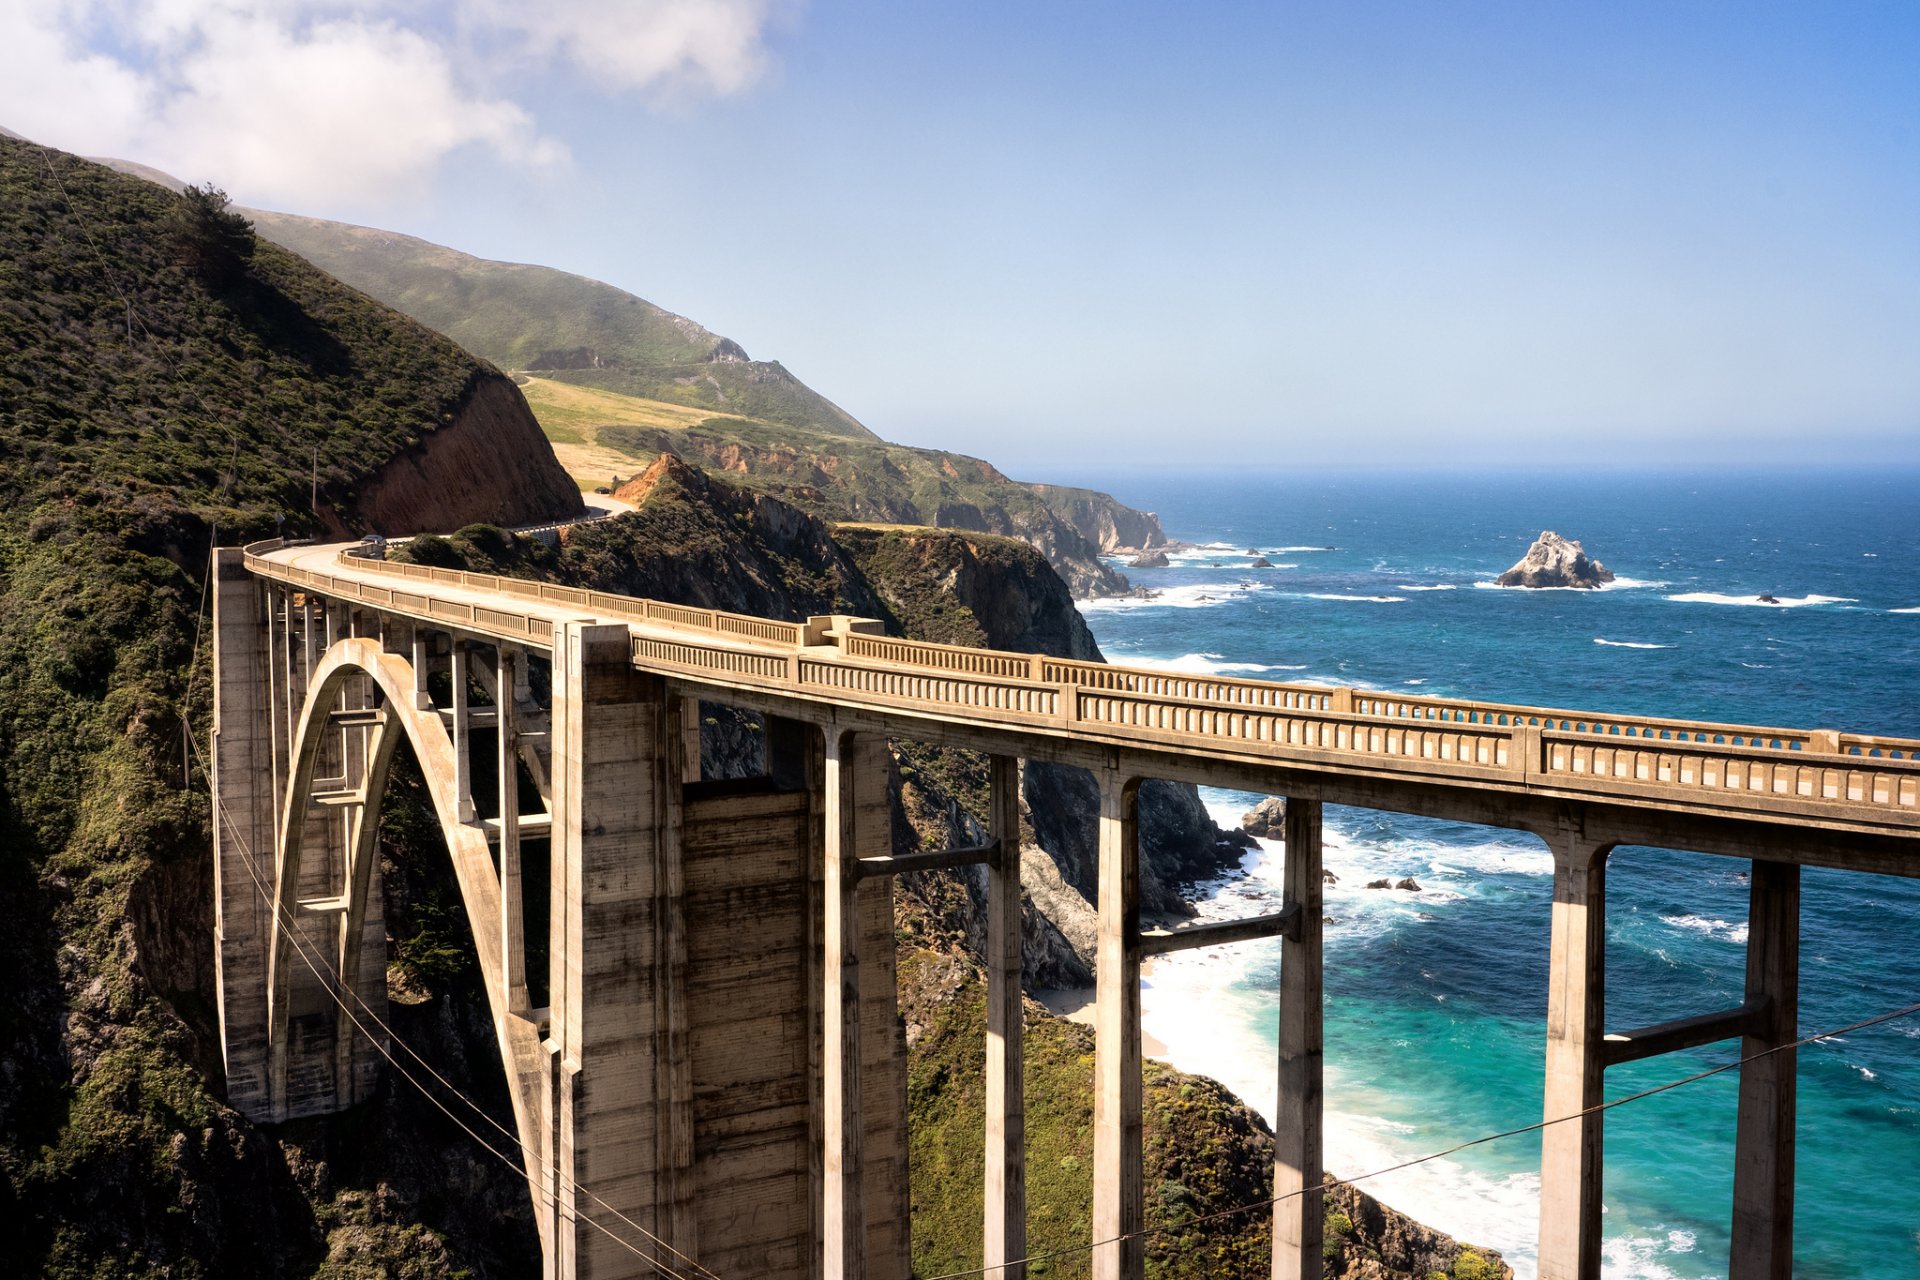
column 1554, row 561
column 1149, row 560
column 1266, row 820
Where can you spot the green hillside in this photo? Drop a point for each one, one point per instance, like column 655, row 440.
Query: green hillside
column 155, row 385
column 580, row 330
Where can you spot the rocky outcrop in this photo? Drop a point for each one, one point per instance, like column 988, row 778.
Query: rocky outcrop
column 694, row 540
column 1266, row 820
column 490, row 464
column 1368, row 1241
column 1149, row 560
column 1554, row 561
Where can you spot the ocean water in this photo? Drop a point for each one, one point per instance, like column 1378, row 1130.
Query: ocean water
column 1436, row 1000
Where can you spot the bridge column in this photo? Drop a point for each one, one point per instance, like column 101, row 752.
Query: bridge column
column 1299, row 1213
column 1570, row 1151
column 462, row 662
column 862, row 1118
column 1118, row 1209
column 622, row 1120
column 1764, row 1143
column 244, row 771
column 513, row 925
column 1006, row 1175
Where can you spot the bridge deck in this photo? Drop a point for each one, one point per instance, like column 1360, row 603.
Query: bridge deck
column 1807, row 779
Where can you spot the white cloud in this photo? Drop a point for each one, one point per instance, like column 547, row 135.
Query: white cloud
column 300, row 102
column 673, row 45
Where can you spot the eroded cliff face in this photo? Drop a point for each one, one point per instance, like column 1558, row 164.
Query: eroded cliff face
column 893, row 484
column 490, row 464
column 1103, row 520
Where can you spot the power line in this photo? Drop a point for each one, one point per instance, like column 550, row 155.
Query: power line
column 73, row 210
column 1251, row 1206
column 332, row 987
column 431, row 1070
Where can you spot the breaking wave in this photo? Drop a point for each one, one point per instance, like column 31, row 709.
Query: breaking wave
column 1777, row 602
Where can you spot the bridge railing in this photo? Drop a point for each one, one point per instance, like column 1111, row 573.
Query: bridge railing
column 633, row 608
column 1490, row 741
column 1393, row 706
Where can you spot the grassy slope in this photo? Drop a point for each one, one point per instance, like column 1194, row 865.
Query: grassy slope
column 118, row 455
column 597, row 432
column 529, row 317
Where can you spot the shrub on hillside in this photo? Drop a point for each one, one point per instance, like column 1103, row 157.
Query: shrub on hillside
column 209, row 238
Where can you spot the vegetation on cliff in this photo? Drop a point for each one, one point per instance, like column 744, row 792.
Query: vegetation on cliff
column 145, row 400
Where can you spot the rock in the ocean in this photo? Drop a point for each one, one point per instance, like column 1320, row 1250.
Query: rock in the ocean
column 1409, row 884
column 1327, row 877
column 1554, row 561
column 1265, row 820
column 1148, row 560
column 1764, row 599
column 1261, row 562
column 1379, row 884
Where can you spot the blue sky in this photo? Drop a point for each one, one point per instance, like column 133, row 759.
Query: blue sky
column 1051, row 233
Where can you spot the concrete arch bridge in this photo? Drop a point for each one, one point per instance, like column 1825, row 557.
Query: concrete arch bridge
column 712, row 1052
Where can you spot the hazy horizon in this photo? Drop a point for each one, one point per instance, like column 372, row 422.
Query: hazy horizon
column 1057, row 237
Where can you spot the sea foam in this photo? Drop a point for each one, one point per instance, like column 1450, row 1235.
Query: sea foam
column 1206, row 664
column 1720, row 929
column 1618, row 584
column 1629, row 644
column 1780, row 602
column 1333, row 595
column 1205, row 595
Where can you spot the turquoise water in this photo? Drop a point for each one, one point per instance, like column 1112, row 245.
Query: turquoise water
column 1436, row 1000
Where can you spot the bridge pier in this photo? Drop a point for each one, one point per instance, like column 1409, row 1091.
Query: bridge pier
column 1570, row 1151
column 622, row 1109
column 1005, row 1187
column 843, row 1216
column 1764, row 1142
column 1299, row 1221
column 1578, row 1054
column 1118, row 1209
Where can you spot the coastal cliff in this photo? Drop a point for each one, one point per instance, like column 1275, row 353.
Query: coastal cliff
column 1108, row 524
column 457, row 474
column 878, row 483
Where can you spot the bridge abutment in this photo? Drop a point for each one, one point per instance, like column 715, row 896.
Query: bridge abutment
column 244, row 814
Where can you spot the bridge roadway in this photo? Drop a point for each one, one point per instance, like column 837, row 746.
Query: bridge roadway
column 1585, row 783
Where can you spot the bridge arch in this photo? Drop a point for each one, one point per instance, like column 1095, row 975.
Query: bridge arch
column 393, row 715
